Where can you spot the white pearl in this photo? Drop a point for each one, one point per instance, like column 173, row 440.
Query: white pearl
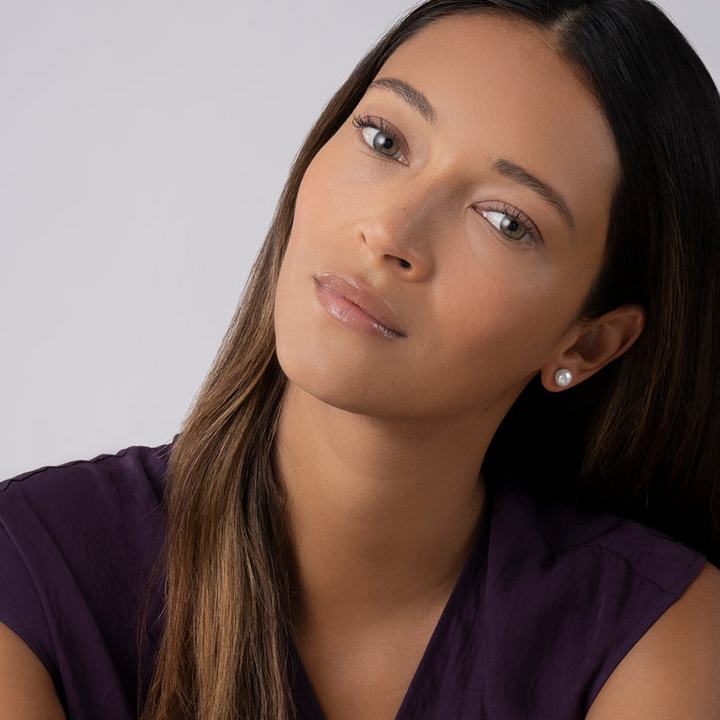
column 563, row 377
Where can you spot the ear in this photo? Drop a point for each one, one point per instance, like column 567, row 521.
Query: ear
column 589, row 347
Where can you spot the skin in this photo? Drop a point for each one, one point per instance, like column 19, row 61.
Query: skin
column 381, row 438
column 26, row 690
column 481, row 313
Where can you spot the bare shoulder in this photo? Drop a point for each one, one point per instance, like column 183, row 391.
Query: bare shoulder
column 26, row 690
column 674, row 670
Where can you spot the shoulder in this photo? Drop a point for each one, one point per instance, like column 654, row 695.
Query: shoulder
column 26, row 689
column 131, row 468
column 79, row 506
column 672, row 671
column 85, row 515
column 571, row 593
column 78, row 548
column 548, row 539
column 79, row 498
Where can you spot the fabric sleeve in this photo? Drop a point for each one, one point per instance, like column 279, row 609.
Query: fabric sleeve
column 21, row 608
column 569, row 593
column 658, row 572
column 79, row 547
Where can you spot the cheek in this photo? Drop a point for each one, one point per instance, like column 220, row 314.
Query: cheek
column 308, row 193
column 318, row 194
column 335, row 191
column 510, row 318
column 311, row 211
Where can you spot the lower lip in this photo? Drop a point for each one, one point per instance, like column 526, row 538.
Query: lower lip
column 351, row 314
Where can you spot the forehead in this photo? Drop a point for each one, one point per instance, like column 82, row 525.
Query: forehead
column 499, row 86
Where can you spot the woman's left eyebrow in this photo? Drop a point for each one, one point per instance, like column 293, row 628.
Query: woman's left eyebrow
column 411, row 95
column 419, row 102
column 523, row 177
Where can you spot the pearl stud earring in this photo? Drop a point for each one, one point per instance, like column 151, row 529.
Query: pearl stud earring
column 563, row 377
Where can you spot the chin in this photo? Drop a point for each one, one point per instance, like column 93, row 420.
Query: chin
column 342, row 382
column 335, row 367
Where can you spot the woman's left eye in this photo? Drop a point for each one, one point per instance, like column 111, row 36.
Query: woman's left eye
column 511, row 225
column 379, row 137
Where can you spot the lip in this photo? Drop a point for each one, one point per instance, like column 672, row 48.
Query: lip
column 348, row 301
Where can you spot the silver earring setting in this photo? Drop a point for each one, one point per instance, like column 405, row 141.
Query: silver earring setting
column 563, row 377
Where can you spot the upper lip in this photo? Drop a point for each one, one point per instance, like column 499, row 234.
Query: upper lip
column 370, row 303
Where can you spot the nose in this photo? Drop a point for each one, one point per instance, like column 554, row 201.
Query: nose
column 401, row 230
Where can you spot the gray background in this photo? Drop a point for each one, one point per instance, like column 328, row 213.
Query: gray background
column 143, row 145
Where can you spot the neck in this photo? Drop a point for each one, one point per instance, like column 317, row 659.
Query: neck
column 382, row 513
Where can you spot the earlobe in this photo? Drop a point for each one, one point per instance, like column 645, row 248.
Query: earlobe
column 589, row 347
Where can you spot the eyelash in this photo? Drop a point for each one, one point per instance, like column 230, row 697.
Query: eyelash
column 533, row 234
column 377, row 123
column 368, row 121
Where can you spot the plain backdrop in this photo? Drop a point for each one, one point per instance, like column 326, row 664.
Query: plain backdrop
column 143, row 145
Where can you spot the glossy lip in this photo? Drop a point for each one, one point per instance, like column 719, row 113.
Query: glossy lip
column 349, row 302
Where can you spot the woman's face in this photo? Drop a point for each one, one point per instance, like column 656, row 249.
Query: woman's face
column 445, row 238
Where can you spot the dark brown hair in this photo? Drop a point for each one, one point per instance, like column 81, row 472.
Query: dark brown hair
column 640, row 438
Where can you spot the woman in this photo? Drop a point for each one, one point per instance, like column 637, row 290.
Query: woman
column 493, row 266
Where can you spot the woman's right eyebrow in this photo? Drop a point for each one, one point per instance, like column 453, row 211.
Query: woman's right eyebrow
column 411, row 95
column 419, row 102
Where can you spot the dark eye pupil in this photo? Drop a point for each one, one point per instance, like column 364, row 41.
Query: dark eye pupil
column 514, row 229
column 383, row 143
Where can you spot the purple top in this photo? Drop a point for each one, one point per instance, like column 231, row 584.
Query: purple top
column 548, row 603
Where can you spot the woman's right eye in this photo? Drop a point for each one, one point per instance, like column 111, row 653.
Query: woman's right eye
column 378, row 136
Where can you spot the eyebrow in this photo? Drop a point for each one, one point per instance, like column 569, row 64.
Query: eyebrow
column 419, row 102
column 412, row 96
column 553, row 197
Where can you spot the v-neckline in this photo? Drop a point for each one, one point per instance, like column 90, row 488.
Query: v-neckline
column 308, row 705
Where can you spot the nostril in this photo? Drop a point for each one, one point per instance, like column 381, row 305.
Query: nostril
column 404, row 263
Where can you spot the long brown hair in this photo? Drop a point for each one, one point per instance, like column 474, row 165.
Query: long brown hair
column 640, row 435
